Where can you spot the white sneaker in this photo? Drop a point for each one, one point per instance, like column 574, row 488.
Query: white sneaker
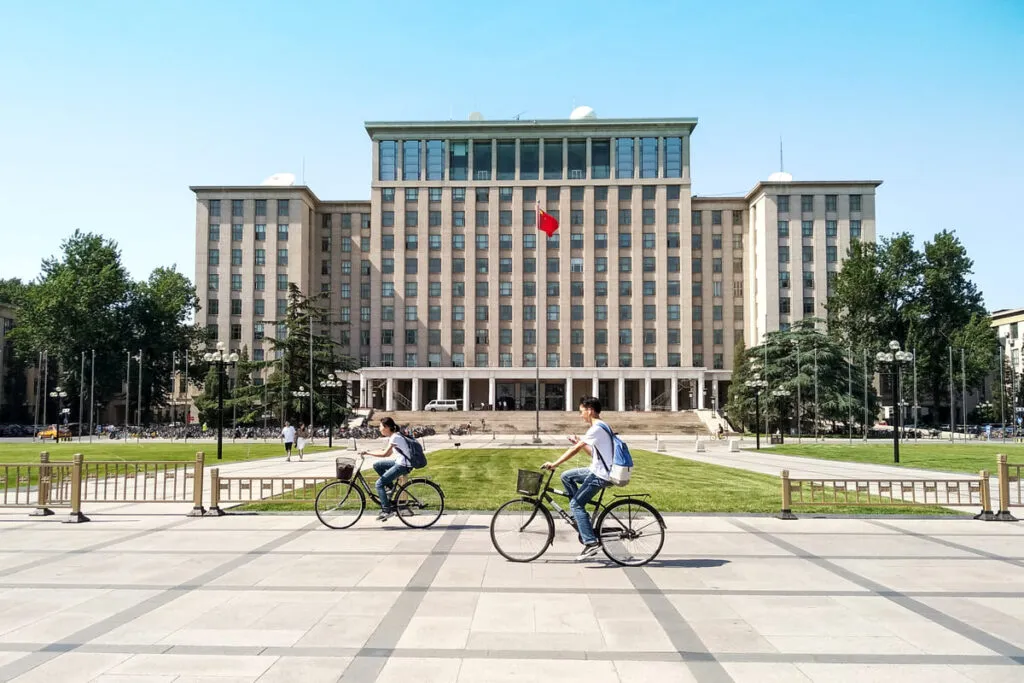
column 589, row 550
column 288, row 459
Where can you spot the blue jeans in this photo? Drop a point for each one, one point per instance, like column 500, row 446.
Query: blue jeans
column 580, row 485
column 388, row 472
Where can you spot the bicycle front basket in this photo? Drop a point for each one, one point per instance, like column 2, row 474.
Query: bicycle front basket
column 346, row 468
column 529, row 482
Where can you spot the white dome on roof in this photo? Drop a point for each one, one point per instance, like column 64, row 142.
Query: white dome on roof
column 476, row 116
column 780, row 177
column 280, row 180
column 582, row 112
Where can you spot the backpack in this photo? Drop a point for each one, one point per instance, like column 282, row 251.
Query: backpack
column 622, row 462
column 417, row 458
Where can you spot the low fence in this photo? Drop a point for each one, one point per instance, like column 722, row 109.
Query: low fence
column 254, row 489
column 947, row 492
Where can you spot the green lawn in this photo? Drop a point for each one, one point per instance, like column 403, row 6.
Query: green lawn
column 118, row 450
column 483, row 479
column 929, row 456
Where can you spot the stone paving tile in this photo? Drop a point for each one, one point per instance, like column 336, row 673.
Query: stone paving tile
column 72, row 667
column 989, row 674
column 536, row 671
column 876, row 673
column 748, row 672
column 309, row 670
column 651, row 672
column 245, row 668
column 420, row 669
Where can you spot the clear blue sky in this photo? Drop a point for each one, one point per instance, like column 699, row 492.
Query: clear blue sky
column 110, row 110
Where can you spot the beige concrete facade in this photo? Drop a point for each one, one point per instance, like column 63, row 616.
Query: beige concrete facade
column 639, row 297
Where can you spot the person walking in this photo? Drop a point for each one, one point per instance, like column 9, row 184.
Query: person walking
column 288, row 434
column 302, row 437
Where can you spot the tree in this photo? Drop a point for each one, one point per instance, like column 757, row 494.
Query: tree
column 295, row 344
column 787, row 361
column 923, row 300
column 84, row 301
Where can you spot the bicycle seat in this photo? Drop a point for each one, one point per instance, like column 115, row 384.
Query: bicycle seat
column 631, row 495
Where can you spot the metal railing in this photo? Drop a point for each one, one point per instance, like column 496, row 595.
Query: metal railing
column 887, row 492
column 1010, row 492
column 37, row 485
column 254, row 489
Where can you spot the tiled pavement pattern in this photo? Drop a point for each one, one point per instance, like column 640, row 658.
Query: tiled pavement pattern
column 148, row 595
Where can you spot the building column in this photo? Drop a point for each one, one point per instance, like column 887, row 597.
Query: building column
column 348, row 394
column 491, row 391
column 364, row 392
column 675, row 394
column 440, row 388
column 647, row 393
column 389, row 396
column 416, row 393
column 700, row 392
column 465, row 393
column 714, row 395
column 568, row 394
column 595, row 387
column 620, row 394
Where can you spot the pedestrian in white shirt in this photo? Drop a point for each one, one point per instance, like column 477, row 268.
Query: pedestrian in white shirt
column 288, row 434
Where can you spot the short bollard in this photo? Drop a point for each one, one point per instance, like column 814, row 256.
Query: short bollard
column 699, row 446
column 44, row 487
column 787, row 498
column 215, row 510
column 1004, row 490
column 197, row 486
column 76, row 516
column 734, row 445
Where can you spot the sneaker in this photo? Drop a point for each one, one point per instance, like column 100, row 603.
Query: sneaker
column 589, row 550
column 384, row 516
column 288, row 459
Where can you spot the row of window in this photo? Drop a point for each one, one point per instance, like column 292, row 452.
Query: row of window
column 529, row 217
column 808, row 279
column 238, row 232
column 238, row 207
column 505, row 241
column 807, row 254
column 807, row 203
column 831, row 228
column 785, row 305
column 551, row 194
column 553, row 336
column 259, row 257
column 555, row 159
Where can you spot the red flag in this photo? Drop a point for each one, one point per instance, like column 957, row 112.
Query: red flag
column 546, row 222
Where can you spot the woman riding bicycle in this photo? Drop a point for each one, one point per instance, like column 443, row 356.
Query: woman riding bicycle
column 389, row 469
column 583, row 483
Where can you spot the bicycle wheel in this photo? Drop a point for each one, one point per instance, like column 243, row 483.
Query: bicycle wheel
column 631, row 531
column 340, row 504
column 419, row 503
column 521, row 530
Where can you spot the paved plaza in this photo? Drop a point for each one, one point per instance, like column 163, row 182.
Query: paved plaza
column 144, row 594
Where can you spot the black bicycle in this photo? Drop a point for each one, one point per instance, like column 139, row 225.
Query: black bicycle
column 630, row 530
column 418, row 502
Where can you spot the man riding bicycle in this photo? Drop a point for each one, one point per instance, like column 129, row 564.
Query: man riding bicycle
column 583, row 483
column 390, row 469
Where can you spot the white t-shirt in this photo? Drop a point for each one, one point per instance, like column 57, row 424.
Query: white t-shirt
column 599, row 441
column 399, row 446
column 288, row 433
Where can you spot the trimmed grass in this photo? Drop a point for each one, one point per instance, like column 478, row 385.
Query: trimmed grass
column 947, row 457
column 118, row 450
column 483, row 479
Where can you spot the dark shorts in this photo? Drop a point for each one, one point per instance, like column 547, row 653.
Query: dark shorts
column 288, row 446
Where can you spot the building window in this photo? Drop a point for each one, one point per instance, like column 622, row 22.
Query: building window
column 387, row 159
column 648, row 157
column 623, row 157
column 282, row 232
column 213, row 257
column 831, row 228
column 411, row 219
column 783, row 279
column 855, row 229
column 282, row 257
column 577, row 157
column 481, row 219
column 600, row 159
column 237, row 208
column 831, row 254
column 830, row 202
column 552, row 159
column 482, row 266
column 783, row 254
column 808, row 305
column 808, row 279
column 806, row 203
column 648, row 216
column 673, row 158
column 782, row 201
column 214, row 207
column 807, row 228
column 808, row 254
column 783, row 228
column 855, row 202
column 282, row 283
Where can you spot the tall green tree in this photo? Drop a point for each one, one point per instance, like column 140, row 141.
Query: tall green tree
column 303, row 349
column 925, row 300
column 798, row 360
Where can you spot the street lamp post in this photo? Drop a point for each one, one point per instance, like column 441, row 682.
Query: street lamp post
column 221, row 359
column 59, row 394
column 893, row 358
column 301, row 393
column 329, row 385
column 757, row 384
column 781, row 394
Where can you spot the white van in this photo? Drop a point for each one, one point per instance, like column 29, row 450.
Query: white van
column 445, row 404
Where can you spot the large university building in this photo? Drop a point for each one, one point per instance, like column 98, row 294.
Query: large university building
column 445, row 288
